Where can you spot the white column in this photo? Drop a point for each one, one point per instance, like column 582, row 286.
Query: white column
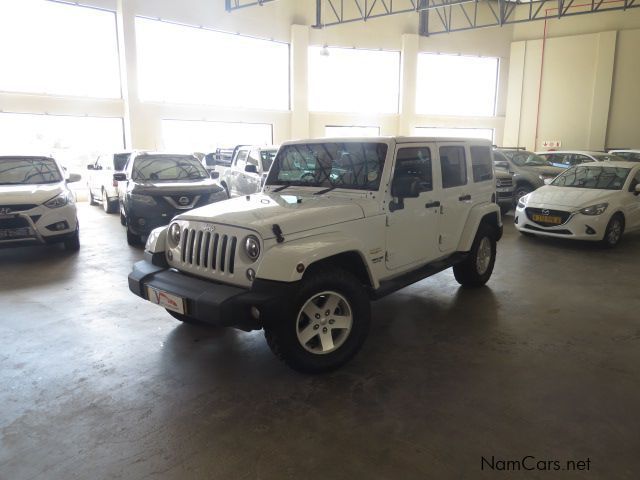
column 511, row 137
column 603, row 83
column 408, row 82
column 299, row 81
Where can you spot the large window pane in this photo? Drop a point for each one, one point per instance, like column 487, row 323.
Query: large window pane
column 485, row 133
column 456, row 85
column 351, row 131
column 358, row 81
column 196, row 136
column 52, row 48
column 75, row 141
column 181, row 64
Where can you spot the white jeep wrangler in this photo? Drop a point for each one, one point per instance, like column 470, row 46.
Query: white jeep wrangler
column 340, row 222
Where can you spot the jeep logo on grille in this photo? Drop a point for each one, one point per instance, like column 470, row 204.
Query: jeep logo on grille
column 546, row 212
column 184, row 201
column 5, row 211
column 209, row 229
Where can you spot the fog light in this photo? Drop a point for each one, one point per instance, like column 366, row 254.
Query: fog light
column 255, row 313
column 516, row 220
column 170, row 255
column 590, row 231
column 251, row 274
column 300, row 268
column 56, row 227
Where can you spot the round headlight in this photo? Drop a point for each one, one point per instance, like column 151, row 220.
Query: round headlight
column 174, row 234
column 252, row 247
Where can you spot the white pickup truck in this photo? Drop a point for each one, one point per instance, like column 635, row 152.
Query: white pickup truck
column 339, row 223
column 248, row 170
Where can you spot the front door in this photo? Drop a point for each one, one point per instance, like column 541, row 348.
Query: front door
column 457, row 198
column 412, row 226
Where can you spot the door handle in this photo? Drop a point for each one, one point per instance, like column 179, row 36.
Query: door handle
column 465, row 198
column 432, row 204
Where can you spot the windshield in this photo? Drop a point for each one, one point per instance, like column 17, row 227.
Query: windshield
column 267, row 157
column 28, row 171
column 166, row 168
column 526, row 159
column 607, row 157
column 593, row 177
column 120, row 161
column 351, row 165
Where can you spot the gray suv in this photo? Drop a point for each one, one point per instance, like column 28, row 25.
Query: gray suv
column 530, row 171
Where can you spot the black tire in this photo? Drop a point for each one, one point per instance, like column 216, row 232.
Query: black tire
column 520, row 191
column 282, row 329
column 504, row 209
column 123, row 219
column 92, row 200
column 72, row 244
column 226, row 189
column 614, row 231
column 474, row 271
column 109, row 206
column 184, row 318
column 133, row 239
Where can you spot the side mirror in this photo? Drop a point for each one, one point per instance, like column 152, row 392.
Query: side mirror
column 251, row 169
column 405, row 187
column 214, row 175
column 120, row 177
column 637, row 189
column 91, row 166
column 73, row 177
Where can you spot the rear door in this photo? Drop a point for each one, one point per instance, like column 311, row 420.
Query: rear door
column 457, row 193
column 251, row 181
column 235, row 172
column 412, row 227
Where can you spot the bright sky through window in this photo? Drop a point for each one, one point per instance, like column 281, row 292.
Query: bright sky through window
column 456, row 85
column 189, row 136
column 353, row 81
column 179, row 64
column 351, row 131
column 52, row 48
column 486, row 133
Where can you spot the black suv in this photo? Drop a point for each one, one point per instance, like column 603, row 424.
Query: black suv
column 156, row 187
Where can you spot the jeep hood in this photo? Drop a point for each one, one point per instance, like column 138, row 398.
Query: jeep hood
column 291, row 213
column 29, row 194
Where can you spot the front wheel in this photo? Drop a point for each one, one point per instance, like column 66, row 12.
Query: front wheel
column 614, row 231
column 109, row 206
column 325, row 324
column 477, row 268
column 521, row 191
column 72, row 244
column 92, row 199
column 133, row 239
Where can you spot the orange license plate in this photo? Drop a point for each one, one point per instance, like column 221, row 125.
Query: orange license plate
column 547, row 219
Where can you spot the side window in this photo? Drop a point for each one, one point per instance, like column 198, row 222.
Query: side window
column 635, row 182
column 254, row 159
column 241, row 159
column 454, row 166
column 482, row 164
column 415, row 162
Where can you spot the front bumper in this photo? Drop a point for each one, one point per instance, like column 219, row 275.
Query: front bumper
column 37, row 225
column 208, row 301
column 577, row 227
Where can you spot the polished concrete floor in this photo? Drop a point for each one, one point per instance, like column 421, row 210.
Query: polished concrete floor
column 98, row 384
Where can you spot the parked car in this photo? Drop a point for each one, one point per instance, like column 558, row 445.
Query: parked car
column 591, row 201
column 36, row 204
column 566, row 159
column 220, row 158
column 504, row 190
column 530, row 170
column 102, row 187
column 248, row 170
column 155, row 187
column 302, row 259
column 628, row 155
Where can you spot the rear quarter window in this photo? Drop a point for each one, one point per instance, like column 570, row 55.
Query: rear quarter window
column 481, row 163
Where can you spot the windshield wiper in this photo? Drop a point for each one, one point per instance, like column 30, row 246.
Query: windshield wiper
column 281, row 188
column 322, row 192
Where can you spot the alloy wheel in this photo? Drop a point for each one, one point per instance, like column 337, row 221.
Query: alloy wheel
column 324, row 323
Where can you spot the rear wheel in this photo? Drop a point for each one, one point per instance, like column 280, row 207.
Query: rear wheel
column 325, row 324
column 477, row 268
column 92, row 200
column 109, row 206
column 614, row 231
column 133, row 239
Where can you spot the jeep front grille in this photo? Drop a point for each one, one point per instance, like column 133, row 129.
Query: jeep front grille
column 210, row 251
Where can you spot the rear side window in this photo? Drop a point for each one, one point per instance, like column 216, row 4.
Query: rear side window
column 415, row 162
column 120, row 160
column 482, row 164
column 453, row 165
column 241, row 159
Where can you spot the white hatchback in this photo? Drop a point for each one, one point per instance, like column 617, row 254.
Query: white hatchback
column 36, row 205
column 592, row 201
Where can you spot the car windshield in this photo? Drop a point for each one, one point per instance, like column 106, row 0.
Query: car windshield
column 593, row 177
column 28, row 171
column 628, row 156
column 120, row 161
column 167, row 168
column 607, row 157
column 526, row 159
column 350, row 165
column 267, row 157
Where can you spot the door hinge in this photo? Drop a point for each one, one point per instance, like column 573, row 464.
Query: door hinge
column 440, row 239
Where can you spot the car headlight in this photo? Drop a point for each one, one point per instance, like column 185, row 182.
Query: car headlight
column 59, row 200
column 252, row 247
column 143, row 199
column 598, row 209
column 522, row 202
column 174, row 235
